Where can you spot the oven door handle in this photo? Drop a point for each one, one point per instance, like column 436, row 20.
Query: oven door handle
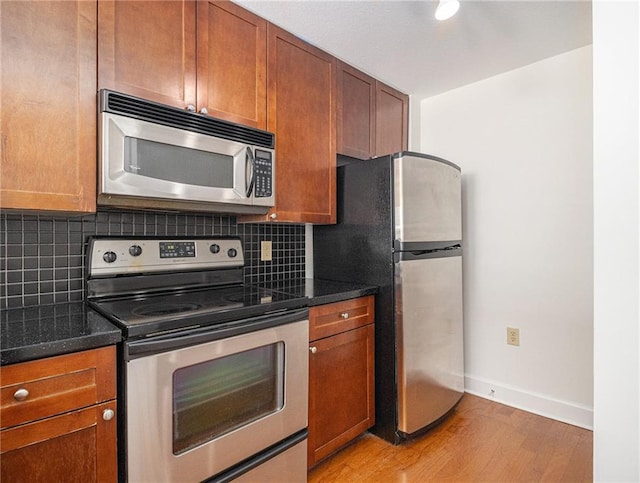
column 200, row 335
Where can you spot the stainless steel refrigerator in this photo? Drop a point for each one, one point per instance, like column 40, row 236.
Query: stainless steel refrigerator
column 400, row 227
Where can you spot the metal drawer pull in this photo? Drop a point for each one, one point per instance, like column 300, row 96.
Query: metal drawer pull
column 108, row 414
column 21, row 395
column 344, row 315
column 313, row 350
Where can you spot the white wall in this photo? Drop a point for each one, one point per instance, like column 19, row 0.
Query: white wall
column 616, row 53
column 524, row 142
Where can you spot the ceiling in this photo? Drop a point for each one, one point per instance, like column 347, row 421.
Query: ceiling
column 401, row 43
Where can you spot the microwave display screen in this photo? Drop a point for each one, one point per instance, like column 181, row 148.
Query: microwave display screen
column 178, row 164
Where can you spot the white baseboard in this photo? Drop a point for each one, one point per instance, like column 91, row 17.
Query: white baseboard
column 567, row 412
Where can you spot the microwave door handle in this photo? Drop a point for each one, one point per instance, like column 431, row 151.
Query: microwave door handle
column 249, row 168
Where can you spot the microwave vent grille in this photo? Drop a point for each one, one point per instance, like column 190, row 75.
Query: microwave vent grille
column 170, row 116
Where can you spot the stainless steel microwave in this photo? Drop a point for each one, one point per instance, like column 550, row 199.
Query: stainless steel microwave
column 153, row 156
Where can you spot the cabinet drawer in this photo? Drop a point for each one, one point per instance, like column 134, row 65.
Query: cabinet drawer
column 330, row 319
column 46, row 387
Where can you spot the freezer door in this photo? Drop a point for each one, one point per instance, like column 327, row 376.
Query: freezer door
column 427, row 199
column 429, row 332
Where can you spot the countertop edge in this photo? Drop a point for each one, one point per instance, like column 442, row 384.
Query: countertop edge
column 16, row 355
column 343, row 295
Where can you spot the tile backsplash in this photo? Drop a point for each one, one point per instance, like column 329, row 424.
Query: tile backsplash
column 42, row 256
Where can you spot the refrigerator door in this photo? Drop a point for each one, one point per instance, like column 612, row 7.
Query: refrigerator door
column 429, row 333
column 427, row 199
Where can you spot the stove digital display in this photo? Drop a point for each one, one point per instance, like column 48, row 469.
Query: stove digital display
column 177, row 249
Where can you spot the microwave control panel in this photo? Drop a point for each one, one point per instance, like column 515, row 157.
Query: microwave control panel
column 263, row 174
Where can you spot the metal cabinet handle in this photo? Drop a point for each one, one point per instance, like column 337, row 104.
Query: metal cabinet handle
column 108, row 414
column 344, row 315
column 313, row 349
column 21, row 394
column 191, row 108
column 204, row 110
column 273, row 216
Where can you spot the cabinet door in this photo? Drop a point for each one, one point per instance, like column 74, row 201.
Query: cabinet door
column 232, row 63
column 392, row 119
column 341, row 393
column 356, row 113
column 148, row 49
column 48, row 98
column 77, row 446
column 301, row 112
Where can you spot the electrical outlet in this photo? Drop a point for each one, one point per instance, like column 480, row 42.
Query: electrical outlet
column 266, row 251
column 513, row 336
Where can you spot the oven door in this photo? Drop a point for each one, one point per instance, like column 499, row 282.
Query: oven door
column 196, row 411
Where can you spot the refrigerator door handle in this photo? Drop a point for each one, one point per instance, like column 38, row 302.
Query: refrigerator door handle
column 435, row 250
column 447, row 251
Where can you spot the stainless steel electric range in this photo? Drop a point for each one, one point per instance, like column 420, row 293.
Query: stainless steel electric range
column 213, row 373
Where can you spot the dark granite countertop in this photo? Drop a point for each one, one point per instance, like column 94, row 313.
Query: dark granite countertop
column 322, row 292
column 49, row 330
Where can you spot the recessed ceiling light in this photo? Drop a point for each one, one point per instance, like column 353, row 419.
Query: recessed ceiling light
column 447, row 9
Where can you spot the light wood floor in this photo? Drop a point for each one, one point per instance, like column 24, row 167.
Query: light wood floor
column 482, row 441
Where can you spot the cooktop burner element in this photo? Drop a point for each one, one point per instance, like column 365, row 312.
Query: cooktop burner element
column 151, row 285
column 164, row 309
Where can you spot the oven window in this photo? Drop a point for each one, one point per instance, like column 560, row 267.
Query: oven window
column 178, row 164
column 215, row 397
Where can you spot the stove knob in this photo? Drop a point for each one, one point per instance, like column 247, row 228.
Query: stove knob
column 214, row 248
column 135, row 250
column 109, row 257
column 232, row 252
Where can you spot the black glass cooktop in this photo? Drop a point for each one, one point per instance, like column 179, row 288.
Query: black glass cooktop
column 150, row 314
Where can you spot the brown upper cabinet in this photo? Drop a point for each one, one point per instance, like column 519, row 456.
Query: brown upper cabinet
column 301, row 103
column 372, row 117
column 48, row 98
column 392, row 120
column 232, row 63
column 209, row 56
column 356, row 112
column 148, row 49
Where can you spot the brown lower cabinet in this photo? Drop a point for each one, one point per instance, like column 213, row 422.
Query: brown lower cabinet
column 341, row 375
column 58, row 418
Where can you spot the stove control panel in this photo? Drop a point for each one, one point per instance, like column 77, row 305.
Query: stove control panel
column 121, row 256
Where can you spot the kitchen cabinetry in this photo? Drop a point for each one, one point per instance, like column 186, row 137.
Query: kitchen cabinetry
column 356, row 113
column 301, row 112
column 232, row 63
column 58, row 418
column 48, row 99
column 148, row 49
column 372, row 117
column 392, row 120
column 210, row 55
column 341, row 375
